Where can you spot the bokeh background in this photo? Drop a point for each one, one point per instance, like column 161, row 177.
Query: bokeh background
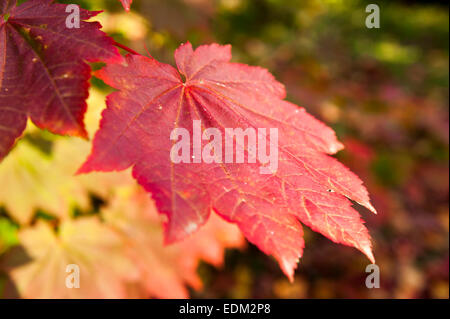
column 384, row 91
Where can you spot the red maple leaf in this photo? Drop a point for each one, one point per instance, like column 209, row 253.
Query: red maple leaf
column 126, row 4
column 43, row 69
column 308, row 185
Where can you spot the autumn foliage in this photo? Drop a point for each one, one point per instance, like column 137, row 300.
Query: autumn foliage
column 137, row 224
column 309, row 186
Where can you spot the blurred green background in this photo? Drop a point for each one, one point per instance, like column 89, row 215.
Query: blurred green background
column 384, row 91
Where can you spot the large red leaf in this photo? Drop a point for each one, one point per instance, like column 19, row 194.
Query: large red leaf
column 309, row 185
column 43, row 70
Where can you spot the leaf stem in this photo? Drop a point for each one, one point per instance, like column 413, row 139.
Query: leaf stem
column 117, row 44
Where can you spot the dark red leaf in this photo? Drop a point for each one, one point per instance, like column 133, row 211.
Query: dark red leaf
column 43, row 69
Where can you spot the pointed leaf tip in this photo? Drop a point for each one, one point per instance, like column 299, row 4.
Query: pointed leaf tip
column 126, row 4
